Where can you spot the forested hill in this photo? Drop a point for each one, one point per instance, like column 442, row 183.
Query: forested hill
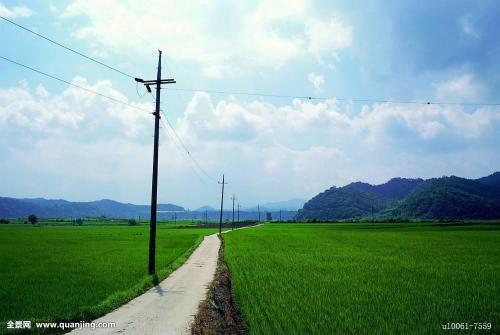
column 437, row 198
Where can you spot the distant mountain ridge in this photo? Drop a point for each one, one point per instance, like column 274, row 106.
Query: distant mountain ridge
column 13, row 208
column 287, row 205
column 436, row 198
column 396, row 188
column 205, row 208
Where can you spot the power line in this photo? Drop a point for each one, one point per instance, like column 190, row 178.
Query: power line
column 66, row 47
column 128, row 105
column 125, row 104
column 74, row 85
column 179, row 150
column 187, row 150
column 177, row 138
column 120, row 102
column 268, row 95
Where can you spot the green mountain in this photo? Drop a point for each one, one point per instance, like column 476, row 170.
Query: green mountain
column 491, row 180
column 437, row 198
column 452, row 198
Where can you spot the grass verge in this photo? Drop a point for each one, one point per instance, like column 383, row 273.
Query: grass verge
column 219, row 313
column 72, row 274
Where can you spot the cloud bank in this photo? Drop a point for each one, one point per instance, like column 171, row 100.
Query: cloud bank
column 68, row 144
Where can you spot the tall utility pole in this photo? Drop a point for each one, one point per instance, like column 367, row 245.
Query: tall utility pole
column 238, row 212
column 154, row 183
column 233, row 198
column 221, row 203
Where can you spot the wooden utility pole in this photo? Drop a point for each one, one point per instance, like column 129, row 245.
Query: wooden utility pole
column 233, row 198
column 221, row 203
column 154, row 183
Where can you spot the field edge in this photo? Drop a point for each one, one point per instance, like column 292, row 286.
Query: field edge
column 219, row 313
column 116, row 299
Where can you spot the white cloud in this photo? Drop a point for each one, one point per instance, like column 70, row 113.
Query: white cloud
column 317, row 80
column 218, row 71
column 225, row 121
column 214, row 35
column 328, row 38
column 462, row 87
column 310, row 146
column 427, row 121
column 468, row 29
column 53, row 8
column 318, row 123
column 15, row 12
column 73, row 112
column 85, row 147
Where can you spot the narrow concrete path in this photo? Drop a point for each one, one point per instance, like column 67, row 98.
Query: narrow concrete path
column 169, row 307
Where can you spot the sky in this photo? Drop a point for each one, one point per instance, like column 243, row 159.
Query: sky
column 58, row 141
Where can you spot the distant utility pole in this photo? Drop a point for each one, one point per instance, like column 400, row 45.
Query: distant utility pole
column 258, row 210
column 233, row 198
column 221, row 203
column 154, row 187
column 373, row 219
column 238, row 212
column 280, row 214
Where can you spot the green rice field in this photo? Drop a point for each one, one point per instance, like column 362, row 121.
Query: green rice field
column 366, row 279
column 78, row 273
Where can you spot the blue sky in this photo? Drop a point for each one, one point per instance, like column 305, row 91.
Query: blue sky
column 60, row 142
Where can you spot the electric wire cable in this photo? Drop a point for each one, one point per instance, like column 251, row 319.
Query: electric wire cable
column 137, row 90
column 176, row 139
column 173, row 138
column 124, row 103
column 257, row 94
column 66, row 47
column 116, row 101
column 305, row 97
column 186, row 149
column 179, row 150
column 73, row 84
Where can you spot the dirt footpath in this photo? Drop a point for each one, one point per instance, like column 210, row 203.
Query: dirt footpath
column 169, row 307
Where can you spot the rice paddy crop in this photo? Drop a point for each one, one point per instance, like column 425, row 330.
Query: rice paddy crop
column 366, row 279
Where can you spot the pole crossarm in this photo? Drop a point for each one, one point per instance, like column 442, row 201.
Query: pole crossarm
column 154, row 82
